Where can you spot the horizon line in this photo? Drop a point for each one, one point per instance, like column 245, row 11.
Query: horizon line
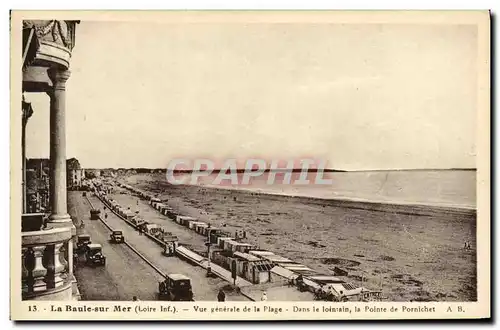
column 294, row 169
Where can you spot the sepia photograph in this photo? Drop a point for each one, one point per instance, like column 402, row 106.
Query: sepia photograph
column 339, row 159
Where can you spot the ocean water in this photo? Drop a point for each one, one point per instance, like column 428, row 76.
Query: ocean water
column 430, row 187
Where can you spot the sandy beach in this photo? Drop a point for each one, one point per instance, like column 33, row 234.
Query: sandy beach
column 411, row 257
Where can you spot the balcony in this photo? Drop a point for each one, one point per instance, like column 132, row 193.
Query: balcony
column 46, row 267
column 46, row 44
column 49, row 42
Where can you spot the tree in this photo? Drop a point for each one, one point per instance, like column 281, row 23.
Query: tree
column 90, row 174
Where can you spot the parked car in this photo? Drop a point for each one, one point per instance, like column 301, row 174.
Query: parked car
column 176, row 287
column 94, row 214
column 94, row 255
column 82, row 242
column 117, row 236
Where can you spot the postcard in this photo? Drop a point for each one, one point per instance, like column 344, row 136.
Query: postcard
column 250, row 165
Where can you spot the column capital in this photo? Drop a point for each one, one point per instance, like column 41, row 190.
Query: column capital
column 58, row 77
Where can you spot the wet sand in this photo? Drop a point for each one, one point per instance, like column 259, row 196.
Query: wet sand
column 411, row 256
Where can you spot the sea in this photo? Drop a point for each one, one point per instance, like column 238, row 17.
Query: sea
column 451, row 188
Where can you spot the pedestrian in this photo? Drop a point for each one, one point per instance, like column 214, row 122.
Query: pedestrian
column 264, row 296
column 465, row 245
column 105, row 216
column 221, row 296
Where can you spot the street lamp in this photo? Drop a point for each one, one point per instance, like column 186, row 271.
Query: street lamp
column 209, row 269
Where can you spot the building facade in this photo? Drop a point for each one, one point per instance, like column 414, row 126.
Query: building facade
column 76, row 174
column 37, row 185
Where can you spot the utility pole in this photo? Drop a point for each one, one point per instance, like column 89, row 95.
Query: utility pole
column 234, row 272
column 209, row 268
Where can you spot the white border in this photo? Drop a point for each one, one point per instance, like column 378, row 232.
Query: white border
column 187, row 4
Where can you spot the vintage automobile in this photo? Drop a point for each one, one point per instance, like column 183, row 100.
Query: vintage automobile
column 94, row 255
column 176, row 287
column 94, row 214
column 82, row 242
column 117, row 236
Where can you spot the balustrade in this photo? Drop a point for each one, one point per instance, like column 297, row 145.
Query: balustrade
column 45, row 262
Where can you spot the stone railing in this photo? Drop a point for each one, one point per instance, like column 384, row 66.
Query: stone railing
column 46, row 267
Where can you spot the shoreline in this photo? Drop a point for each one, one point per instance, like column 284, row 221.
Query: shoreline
column 409, row 208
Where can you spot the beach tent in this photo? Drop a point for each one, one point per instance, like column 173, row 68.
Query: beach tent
column 275, row 258
column 261, row 253
column 280, row 271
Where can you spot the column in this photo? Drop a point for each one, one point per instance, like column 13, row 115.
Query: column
column 58, row 198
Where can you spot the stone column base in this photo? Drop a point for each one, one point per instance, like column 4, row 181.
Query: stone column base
column 62, row 224
column 59, row 218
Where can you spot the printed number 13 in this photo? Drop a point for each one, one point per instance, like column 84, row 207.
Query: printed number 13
column 32, row 308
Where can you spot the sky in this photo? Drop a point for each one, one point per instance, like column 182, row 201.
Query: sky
column 360, row 97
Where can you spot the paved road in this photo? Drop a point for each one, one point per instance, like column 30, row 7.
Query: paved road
column 125, row 274
column 205, row 289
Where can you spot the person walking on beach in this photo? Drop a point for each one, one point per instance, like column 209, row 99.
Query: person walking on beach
column 221, row 296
